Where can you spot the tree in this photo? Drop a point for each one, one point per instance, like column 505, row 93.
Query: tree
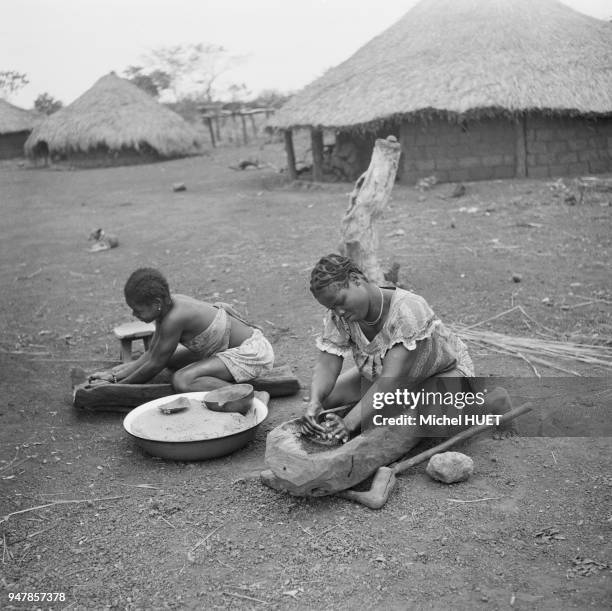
column 10, row 82
column 192, row 66
column 238, row 92
column 153, row 82
column 271, row 98
column 47, row 104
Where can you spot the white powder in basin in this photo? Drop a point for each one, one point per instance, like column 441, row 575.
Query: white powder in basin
column 195, row 423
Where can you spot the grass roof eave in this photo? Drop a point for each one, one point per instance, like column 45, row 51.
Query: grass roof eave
column 115, row 114
column 15, row 120
column 466, row 57
column 426, row 115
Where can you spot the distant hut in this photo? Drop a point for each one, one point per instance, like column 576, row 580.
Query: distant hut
column 15, row 127
column 473, row 89
column 113, row 123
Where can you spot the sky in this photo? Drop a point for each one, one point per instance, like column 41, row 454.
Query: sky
column 64, row 46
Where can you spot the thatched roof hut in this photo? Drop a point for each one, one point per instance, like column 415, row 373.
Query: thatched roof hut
column 15, row 126
column 114, row 122
column 465, row 60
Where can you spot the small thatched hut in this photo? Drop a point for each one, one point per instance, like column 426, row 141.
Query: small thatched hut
column 113, row 123
column 473, row 89
column 15, row 126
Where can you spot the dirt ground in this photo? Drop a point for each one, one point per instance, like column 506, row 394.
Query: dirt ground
column 115, row 528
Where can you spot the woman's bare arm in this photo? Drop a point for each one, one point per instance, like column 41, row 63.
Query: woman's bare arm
column 165, row 341
column 396, row 364
column 324, row 377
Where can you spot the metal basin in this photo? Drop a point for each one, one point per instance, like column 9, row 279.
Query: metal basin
column 198, row 449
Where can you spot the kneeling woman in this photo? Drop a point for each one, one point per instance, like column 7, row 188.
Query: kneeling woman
column 394, row 338
column 207, row 346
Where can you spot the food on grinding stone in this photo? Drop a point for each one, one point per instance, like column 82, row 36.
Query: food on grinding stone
column 320, row 439
column 193, row 424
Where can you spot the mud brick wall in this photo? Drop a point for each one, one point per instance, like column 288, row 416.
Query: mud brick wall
column 11, row 145
column 453, row 152
column 487, row 149
column 568, row 146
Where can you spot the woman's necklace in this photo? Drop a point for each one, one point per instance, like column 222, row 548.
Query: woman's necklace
column 382, row 307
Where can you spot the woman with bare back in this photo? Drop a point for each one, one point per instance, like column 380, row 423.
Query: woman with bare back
column 206, row 345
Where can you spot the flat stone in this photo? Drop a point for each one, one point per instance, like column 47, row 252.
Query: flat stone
column 450, row 467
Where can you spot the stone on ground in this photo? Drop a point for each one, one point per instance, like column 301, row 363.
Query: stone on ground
column 450, row 467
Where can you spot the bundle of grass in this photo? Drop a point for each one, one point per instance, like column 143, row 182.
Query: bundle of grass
column 15, row 126
column 546, row 351
column 113, row 123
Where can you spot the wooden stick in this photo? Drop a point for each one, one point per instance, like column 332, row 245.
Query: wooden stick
column 594, row 299
column 25, row 352
column 14, row 513
column 489, row 498
column 263, row 602
column 404, row 465
column 13, row 464
column 208, row 536
column 30, row 276
column 340, row 408
column 482, row 322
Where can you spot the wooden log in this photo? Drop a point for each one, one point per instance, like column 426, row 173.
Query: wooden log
column 118, row 397
column 280, row 382
column 245, row 136
column 372, row 191
column 316, row 146
column 290, row 152
column 213, row 140
column 304, row 467
column 521, row 147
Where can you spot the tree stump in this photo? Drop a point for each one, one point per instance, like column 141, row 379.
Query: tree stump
column 372, row 191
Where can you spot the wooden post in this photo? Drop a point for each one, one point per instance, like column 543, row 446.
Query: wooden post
column 253, row 125
column 372, row 191
column 316, row 144
column 212, row 131
column 218, row 128
column 290, row 154
column 521, row 146
column 244, row 129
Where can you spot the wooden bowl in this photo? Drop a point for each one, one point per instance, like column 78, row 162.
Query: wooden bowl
column 231, row 398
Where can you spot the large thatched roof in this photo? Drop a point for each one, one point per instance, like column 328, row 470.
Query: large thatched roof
column 14, row 119
column 466, row 57
column 116, row 114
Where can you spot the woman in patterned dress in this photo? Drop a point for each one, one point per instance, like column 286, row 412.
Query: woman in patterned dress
column 393, row 335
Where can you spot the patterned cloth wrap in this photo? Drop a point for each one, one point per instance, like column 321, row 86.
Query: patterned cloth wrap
column 251, row 359
column 410, row 322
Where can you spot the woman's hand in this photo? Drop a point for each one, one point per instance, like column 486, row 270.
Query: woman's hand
column 102, row 376
column 335, row 428
column 310, row 420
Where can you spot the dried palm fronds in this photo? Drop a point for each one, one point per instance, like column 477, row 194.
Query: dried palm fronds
column 549, row 353
column 546, row 351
